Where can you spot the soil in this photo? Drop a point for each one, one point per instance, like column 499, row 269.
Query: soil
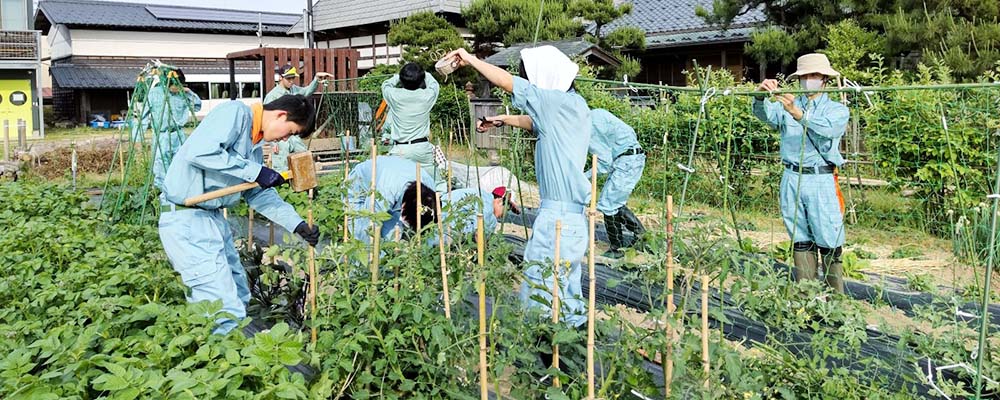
column 54, row 160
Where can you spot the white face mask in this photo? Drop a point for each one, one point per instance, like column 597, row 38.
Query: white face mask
column 811, row 83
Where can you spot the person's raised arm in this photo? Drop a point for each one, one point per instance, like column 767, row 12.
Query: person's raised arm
column 496, row 75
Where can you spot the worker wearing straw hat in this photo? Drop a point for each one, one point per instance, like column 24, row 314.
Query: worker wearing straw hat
column 811, row 126
column 286, row 85
column 560, row 119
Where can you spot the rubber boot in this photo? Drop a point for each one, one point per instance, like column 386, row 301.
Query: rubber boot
column 613, row 224
column 806, row 261
column 833, row 268
column 632, row 224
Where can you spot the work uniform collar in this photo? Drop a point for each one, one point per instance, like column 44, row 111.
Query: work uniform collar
column 256, row 134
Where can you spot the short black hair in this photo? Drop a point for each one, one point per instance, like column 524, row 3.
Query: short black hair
column 411, row 76
column 180, row 76
column 300, row 111
column 429, row 215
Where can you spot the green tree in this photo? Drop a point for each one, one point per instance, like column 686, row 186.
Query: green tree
column 515, row 21
column 963, row 34
column 425, row 37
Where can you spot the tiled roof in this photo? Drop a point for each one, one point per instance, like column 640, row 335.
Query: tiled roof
column 122, row 74
column 114, row 15
column 669, row 18
column 571, row 48
column 333, row 14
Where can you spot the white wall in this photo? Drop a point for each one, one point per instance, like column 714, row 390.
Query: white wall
column 167, row 44
column 59, row 43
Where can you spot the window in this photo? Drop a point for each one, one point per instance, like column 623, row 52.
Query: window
column 220, row 91
column 251, row 90
column 199, row 88
column 14, row 15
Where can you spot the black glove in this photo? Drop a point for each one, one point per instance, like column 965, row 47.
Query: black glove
column 268, row 178
column 308, row 233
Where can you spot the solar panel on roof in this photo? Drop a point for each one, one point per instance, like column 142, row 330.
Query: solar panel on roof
column 194, row 14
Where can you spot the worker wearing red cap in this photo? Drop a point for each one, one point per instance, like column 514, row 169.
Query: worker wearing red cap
column 466, row 203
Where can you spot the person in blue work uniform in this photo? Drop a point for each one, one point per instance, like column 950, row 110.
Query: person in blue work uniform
column 619, row 156
column 812, row 206
column 469, row 202
column 225, row 150
column 286, row 85
column 410, row 96
column 169, row 106
column 560, row 119
column 396, row 189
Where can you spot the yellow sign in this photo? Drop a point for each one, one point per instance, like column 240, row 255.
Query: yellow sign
column 15, row 104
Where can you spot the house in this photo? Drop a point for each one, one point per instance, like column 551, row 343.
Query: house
column 363, row 25
column 572, row 48
column 98, row 48
column 676, row 38
column 20, row 68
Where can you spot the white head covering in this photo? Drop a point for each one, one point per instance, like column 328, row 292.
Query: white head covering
column 549, row 68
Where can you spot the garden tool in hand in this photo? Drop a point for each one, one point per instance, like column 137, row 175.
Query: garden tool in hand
column 301, row 173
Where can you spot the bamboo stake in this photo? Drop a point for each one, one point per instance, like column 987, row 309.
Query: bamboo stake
column 270, row 224
column 591, row 314
column 483, row 394
column 250, row 230
column 704, row 327
column 313, row 276
column 347, row 176
column 420, row 208
column 444, row 266
column 121, row 161
column 376, row 232
column 555, row 304
column 449, row 191
column 668, row 369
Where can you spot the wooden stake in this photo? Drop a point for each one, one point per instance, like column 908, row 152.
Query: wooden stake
column 270, row 224
column 592, row 301
column 480, row 245
column 313, row 276
column 704, row 327
column 555, row 303
column 444, row 266
column 449, row 190
column 121, row 161
column 376, row 231
column 250, row 230
column 420, row 208
column 668, row 356
column 347, row 222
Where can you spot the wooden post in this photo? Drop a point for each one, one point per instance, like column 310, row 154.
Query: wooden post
column 313, row 276
column 270, row 224
column 668, row 356
column 704, row 327
column 480, row 245
column 250, row 229
column 6, row 140
column 449, row 192
column 121, row 161
column 420, row 205
column 555, row 303
column 591, row 303
column 444, row 265
column 347, row 177
column 376, row 231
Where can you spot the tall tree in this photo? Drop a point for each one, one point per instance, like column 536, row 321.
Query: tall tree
column 425, row 37
column 963, row 34
column 515, row 21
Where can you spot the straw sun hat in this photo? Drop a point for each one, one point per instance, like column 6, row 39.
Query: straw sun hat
column 814, row 63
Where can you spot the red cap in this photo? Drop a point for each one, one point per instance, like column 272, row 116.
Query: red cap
column 500, row 191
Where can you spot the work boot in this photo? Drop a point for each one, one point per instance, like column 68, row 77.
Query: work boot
column 613, row 224
column 806, row 261
column 833, row 268
column 631, row 223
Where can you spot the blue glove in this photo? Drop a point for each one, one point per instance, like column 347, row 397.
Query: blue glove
column 268, row 178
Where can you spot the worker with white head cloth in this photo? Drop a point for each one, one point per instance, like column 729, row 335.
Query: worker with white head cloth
column 560, row 119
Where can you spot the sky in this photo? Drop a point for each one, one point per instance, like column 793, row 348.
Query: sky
column 283, row 6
